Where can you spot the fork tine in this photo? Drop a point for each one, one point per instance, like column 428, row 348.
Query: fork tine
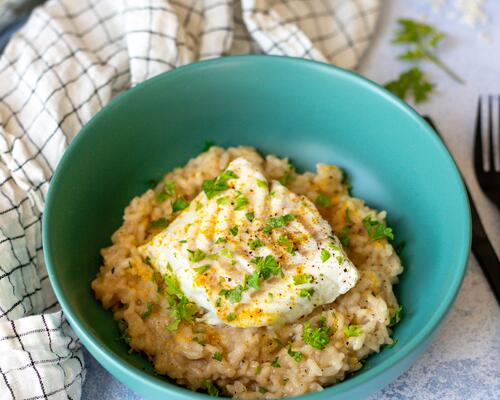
column 491, row 148
column 478, row 148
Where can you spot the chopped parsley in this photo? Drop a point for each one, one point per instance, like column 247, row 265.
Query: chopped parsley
column 218, row 301
column 196, row 255
column 149, row 310
column 168, row 191
column 288, row 243
column 325, row 255
column 198, row 340
column 250, row 216
column 275, row 363
column 227, row 253
column 340, row 259
column 278, row 222
column 346, row 181
column 288, row 175
column 302, row 279
column 202, row 269
column 323, row 201
column 159, row 223
column 231, row 317
column 261, row 184
column 211, row 389
column 221, row 240
column 397, row 316
column 208, row 144
column 266, row 266
column 255, row 244
column 223, row 200
column 217, row 356
column 262, row 390
column 376, row 229
column 253, row 281
column 307, row 293
column 181, row 309
column 179, row 204
column 234, row 230
column 317, row 337
column 234, row 294
column 344, row 236
column 296, row 355
column 352, row 330
column 213, row 186
column 240, row 201
column 347, row 217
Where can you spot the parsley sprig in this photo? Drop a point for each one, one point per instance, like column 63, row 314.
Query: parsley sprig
column 317, row 337
column 376, row 229
column 422, row 41
column 181, row 309
column 213, row 186
column 265, row 267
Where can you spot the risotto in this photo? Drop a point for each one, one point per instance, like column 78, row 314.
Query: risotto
column 318, row 343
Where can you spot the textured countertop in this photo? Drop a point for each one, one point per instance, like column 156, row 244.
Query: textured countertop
column 464, row 361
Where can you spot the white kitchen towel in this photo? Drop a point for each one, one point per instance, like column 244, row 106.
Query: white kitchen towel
column 70, row 60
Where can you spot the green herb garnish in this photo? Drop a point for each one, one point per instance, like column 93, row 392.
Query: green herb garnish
column 411, row 82
column 179, row 204
column 317, row 337
column 240, row 201
column 231, row 316
column 296, row 355
column 181, row 309
column 255, row 244
column 344, row 236
column 149, row 310
column 234, row 294
column 397, row 316
column 323, row 201
column 302, row 279
column 288, row 243
column 234, row 230
column 168, row 191
column 222, row 200
column 275, row 363
column 376, row 229
column 221, row 240
column 159, row 223
column 227, row 253
column 340, row 259
column 217, row 356
column 213, row 186
column 352, row 330
column 325, row 255
column 202, row 269
column 250, row 216
column 307, row 293
column 288, row 175
column 262, row 390
column 211, row 389
column 346, row 180
column 261, row 184
column 278, row 222
column 258, row 370
column 196, row 255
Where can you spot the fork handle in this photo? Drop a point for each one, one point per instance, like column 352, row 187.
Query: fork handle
column 481, row 245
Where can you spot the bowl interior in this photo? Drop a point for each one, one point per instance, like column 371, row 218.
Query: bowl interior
column 307, row 111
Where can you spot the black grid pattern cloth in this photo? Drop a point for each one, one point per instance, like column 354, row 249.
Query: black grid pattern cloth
column 70, row 60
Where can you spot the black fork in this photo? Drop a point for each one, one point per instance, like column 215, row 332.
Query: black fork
column 487, row 147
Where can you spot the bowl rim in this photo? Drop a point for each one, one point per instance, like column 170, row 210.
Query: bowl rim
column 91, row 341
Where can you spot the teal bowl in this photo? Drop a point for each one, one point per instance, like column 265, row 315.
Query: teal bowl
column 308, row 111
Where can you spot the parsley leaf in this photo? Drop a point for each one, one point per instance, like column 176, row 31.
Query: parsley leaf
column 344, row 236
column 325, row 255
column 168, row 191
column 253, row 281
column 296, row 355
column 217, row 356
column 317, row 337
column 275, row 363
column 288, row 243
column 346, row 180
column 397, row 316
column 266, row 266
column 159, row 223
column 196, row 255
column 306, row 293
column 240, row 201
column 376, row 229
column 323, row 201
column 149, row 310
column 302, row 279
column 352, row 330
column 213, row 186
column 250, row 216
column 234, row 230
column 202, row 269
column 234, row 294
column 255, row 244
column 179, row 204
column 258, row 370
column 181, row 309
column 211, row 389
column 423, row 40
column 261, row 184
column 208, row 144
column 411, row 82
column 288, row 175
column 222, row 200
column 221, row 240
column 278, row 222
column 231, row 317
